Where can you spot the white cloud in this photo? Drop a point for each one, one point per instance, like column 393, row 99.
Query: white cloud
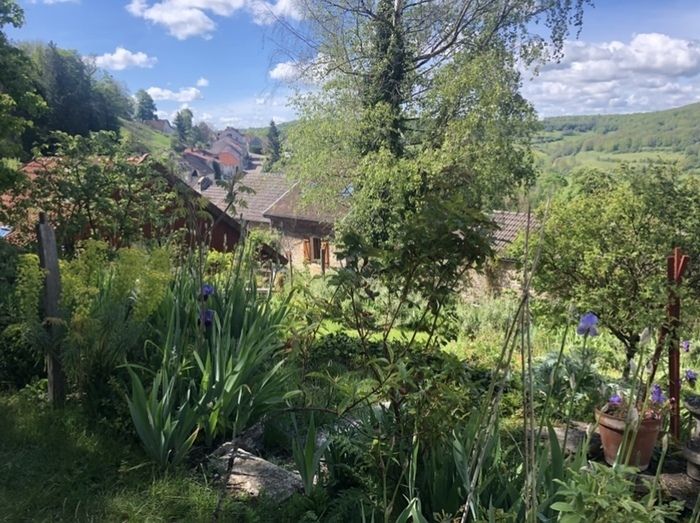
column 285, row 72
column 122, row 59
column 187, row 18
column 652, row 71
column 202, row 82
column 184, row 95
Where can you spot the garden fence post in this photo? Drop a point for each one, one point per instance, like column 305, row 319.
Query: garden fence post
column 677, row 265
column 48, row 258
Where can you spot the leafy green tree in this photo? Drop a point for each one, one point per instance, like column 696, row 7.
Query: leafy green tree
column 202, row 134
column 93, row 188
column 273, row 143
column 80, row 97
column 605, row 243
column 183, row 126
column 145, row 106
column 20, row 103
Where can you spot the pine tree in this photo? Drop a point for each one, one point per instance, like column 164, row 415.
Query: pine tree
column 273, row 147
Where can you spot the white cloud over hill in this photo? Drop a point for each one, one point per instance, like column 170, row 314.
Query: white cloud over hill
column 652, row 71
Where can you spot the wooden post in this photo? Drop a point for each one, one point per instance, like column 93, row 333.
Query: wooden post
column 677, row 264
column 323, row 259
column 48, row 258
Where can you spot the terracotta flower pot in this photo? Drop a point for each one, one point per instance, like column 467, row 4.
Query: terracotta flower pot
column 612, row 430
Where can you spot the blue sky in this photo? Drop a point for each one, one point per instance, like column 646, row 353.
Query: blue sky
column 221, row 58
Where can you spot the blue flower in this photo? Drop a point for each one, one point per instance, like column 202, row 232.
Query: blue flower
column 615, row 400
column 657, row 395
column 206, row 317
column 685, row 345
column 207, row 290
column 588, row 325
column 691, row 377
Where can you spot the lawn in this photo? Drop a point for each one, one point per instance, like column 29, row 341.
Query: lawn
column 60, row 466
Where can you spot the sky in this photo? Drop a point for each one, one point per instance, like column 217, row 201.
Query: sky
column 222, row 58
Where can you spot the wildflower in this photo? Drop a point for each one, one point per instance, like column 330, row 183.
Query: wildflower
column 615, row 400
column 206, row 317
column 588, row 325
column 685, row 345
column 657, row 395
column 691, row 377
column 207, row 290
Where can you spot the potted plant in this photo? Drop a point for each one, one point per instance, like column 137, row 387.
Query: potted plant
column 637, row 424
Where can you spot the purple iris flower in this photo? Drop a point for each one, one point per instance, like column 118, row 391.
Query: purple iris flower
column 615, row 400
column 207, row 290
column 206, row 317
column 691, row 377
column 685, row 345
column 588, row 325
column 657, row 395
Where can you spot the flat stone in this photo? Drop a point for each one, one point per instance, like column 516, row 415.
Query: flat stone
column 576, row 436
column 680, row 486
column 253, row 476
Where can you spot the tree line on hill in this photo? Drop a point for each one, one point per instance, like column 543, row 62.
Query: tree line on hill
column 675, row 130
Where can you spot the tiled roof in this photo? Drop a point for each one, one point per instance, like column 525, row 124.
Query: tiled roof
column 509, row 224
column 227, row 145
column 267, row 188
column 197, row 161
column 291, row 206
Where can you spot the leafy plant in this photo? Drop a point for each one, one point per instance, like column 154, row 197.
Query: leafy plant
column 308, row 457
column 607, row 494
column 166, row 425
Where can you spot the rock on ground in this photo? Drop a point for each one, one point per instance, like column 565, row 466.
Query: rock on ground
column 253, row 476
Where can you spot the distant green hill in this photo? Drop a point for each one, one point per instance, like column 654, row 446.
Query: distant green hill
column 569, row 142
column 261, row 132
column 144, row 139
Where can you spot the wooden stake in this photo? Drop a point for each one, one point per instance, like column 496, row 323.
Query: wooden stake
column 48, row 258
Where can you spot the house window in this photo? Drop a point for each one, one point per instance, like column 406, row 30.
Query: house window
column 315, row 249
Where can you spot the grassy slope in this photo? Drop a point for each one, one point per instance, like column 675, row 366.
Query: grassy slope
column 147, row 139
column 601, row 141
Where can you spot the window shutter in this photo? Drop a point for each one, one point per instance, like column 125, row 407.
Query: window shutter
column 326, row 254
column 307, row 250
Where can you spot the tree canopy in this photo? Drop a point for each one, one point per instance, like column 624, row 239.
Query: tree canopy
column 605, row 244
column 145, row 106
column 20, row 101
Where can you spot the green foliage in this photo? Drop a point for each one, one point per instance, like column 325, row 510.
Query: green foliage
column 167, row 429
column 80, row 98
column 273, row 144
column 94, row 189
column 145, row 106
column 215, row 361
column 19, row 362
column 308, row 457
column 607, row 494
column 605, row 244
column 569, row 142
column 183, row 126
column 60, row 466
column 20, row 103
column 107, row 304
